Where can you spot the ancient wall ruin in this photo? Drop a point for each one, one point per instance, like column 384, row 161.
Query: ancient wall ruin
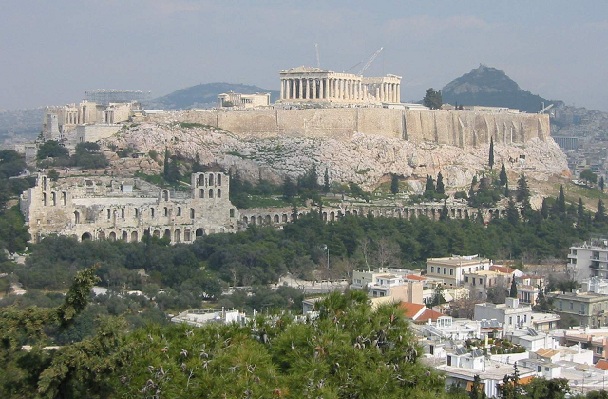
column 458, row 128
column 127, row 209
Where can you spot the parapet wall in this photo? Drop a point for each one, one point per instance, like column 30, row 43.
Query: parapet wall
column 458, row 128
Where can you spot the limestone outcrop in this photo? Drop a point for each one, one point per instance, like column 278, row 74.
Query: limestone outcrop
column 362, row 158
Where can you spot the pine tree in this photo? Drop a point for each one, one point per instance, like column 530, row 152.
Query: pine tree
column 512, row 213
column 503, row 176
column 289, row 188
column 491, row 155
column 440, row 189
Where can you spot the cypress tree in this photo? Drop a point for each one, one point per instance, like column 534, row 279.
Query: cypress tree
column 600, row 215
column 326, row 181
column 601, row 183
column 166, row 164
column 440, row 189
column 394, row 184
column 513, row 290
column 491, row 155
column 503, row 176
column 561, row 200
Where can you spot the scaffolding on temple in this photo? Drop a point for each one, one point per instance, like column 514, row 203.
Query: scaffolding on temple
column 105, row 97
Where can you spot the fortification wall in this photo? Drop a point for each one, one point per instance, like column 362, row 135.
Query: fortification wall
column 457, row 128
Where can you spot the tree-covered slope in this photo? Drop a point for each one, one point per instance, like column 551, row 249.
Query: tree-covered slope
column 491, row 87
column 204, row 95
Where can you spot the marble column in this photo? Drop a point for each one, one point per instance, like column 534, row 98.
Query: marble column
column 322, row 88
column 314, row 88
column 399, row 93
column 282, row 96
column 301, row 86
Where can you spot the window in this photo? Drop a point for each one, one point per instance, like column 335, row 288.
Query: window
column 136, row 212
column 219, row 193
column 445, row 271
column 109, row 213
column 466, row 279
column 432, row 269
column 192, row 213
column 152, row 212
column 165, row 211
column 219, row 180
column 211, row 193
column 510, row 320
column 599, row 350
column 451, row 272
column 179, row 211
column 571, row 306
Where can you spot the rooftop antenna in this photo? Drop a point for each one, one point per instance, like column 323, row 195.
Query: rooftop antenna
column 371, row 59
column 317, row 54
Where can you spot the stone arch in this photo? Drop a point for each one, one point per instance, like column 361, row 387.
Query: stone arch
column 156, row 233
column 354, row 212
column 245, row 220
column 167, row 234
column 200, row 233
column 253, row 220
column 276, row 218
column 101, row 235
column 165, row 195
column 332, row 216
column 177, row 235
column 211, row 176
column 76, row 217
column 53, row 198
column 125, row 236
column 201, row 193
column 210, row 193
column 86, row 236
column 219, row 179
column 260, row 220
column 267, row 219
column 284, row 218
column 325, row 216
column 112, row 236
column 134, row 236
column 201, row 180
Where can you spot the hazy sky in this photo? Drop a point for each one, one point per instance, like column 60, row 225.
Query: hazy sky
column 52, row 51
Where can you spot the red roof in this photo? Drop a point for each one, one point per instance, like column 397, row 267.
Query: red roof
column 431, row 314
column 410, row 309
column 502, row 269
column 414, row 277
column 602, row 364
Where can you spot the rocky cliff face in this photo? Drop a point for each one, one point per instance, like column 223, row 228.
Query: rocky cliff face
column 365, row 159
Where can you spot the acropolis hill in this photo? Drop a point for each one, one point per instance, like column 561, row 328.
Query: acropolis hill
column 354, row 126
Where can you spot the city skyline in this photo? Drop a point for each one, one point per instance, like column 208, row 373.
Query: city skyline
column 53, row 52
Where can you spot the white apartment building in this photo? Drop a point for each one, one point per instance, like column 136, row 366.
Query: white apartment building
column 511, row 314
column 453, row 269
column 588, row 260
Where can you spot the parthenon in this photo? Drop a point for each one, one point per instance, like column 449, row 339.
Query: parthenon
column 307, row 84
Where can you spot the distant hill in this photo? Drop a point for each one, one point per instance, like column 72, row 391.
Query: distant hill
column 491, row 87
column 204, row 96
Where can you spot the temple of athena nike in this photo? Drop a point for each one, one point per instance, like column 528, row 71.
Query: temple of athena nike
column 314, row 85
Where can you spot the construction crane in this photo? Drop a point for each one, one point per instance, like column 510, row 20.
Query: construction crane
column 371, row 59
column 547, row 108
column 317, row 53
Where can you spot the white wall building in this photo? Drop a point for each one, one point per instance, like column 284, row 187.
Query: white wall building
column 452, row 269
column 511, row 314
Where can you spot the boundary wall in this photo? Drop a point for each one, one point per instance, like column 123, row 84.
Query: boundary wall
column 456, row 128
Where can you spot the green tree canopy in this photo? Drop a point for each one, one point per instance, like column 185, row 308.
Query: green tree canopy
column 433, row 99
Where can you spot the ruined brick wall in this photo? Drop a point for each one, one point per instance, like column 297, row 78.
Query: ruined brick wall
column 102, row 208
